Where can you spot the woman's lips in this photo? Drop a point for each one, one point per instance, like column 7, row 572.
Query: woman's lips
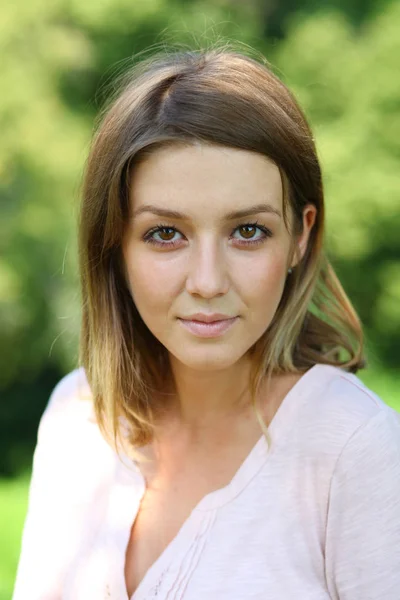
column 208, row 330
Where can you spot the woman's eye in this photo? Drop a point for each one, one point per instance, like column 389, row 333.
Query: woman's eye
column 249, row 232
column 165, row 235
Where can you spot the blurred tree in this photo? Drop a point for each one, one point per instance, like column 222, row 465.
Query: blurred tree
column 58, row 61
column 277, row 13
column 42, row 152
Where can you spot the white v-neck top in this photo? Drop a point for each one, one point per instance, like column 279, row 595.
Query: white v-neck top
column 316, row 517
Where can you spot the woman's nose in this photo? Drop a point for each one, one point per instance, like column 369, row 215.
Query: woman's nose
column 208, row 274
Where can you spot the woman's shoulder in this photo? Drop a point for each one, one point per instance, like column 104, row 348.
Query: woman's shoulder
column 69, row 439
column 70, row 397
column 72, row 388
column 346, row 390
column 340, row 405
column 69, row 413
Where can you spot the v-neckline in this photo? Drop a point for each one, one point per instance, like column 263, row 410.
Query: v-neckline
column 203, row 513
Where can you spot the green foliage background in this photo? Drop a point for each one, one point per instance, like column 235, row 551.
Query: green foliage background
column 340, row 59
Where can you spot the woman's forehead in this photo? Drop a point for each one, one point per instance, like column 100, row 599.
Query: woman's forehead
column 205, row 177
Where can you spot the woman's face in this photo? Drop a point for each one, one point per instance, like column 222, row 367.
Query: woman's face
column 187, row 250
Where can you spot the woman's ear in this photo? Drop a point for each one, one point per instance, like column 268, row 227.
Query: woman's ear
column 309, row 216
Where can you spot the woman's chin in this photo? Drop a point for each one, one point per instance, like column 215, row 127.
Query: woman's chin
column 207, row 359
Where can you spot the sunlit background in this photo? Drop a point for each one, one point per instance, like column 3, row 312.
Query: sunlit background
column 58, row 59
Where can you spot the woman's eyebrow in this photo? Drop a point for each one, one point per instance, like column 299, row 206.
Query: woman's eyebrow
column 173, row 214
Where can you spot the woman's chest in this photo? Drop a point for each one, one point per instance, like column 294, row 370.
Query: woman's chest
column 164, row 509
column 258, row 534
column 170, row 498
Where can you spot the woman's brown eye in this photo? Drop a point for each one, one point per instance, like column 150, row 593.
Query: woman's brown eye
column 248, row 230
column 169, row 235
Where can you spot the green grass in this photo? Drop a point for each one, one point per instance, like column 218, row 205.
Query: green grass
column 13, row 494
column 13, row 505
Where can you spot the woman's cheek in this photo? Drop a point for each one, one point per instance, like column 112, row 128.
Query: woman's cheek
column 269, row 274
column 151, row 281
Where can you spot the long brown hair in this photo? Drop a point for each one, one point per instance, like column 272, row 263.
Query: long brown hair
column 219, row 96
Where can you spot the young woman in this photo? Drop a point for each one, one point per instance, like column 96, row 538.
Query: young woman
column 215, row 442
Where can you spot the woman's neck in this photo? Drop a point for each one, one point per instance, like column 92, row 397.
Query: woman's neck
column 200, row 398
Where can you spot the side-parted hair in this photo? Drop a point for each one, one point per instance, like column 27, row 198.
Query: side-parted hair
column 218, row 96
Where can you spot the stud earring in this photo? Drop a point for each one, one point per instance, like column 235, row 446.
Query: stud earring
column 290, row 270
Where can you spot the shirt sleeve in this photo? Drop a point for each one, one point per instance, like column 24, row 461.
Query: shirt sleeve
column 64, row 483
column 362, row 553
